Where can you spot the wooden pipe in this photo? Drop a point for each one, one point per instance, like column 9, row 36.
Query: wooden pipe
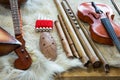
column 78, row 45
column 63, row 40
column 70, row 42
column 97, row 51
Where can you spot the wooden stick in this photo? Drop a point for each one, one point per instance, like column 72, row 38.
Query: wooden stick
column 63, row 40
column 99, row 54
column 116, row 6
column 89, row 50
column 75, row 39
column 70, row 42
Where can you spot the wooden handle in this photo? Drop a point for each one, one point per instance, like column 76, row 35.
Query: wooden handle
column 70, row 42
column 75, row 39
column 63, row 40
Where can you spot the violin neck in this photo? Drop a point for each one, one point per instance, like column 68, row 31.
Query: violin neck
column 111, row 32
column 16, row 16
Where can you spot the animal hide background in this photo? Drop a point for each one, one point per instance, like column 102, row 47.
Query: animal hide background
column 41, row 68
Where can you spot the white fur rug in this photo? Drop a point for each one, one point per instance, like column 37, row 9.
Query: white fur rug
column 41, row 68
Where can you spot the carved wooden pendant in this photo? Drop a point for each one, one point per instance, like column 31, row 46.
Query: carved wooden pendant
column 48, row 46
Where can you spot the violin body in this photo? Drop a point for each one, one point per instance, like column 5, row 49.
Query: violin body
column 87, row 13
column 7, row 3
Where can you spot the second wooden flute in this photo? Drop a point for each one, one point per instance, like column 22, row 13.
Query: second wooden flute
column 63, row 40
column 70, row 42
column 99, row 54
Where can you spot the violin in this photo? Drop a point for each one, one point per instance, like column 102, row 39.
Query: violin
column 102, row 27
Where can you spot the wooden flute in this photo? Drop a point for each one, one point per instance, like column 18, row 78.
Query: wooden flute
column 98, row 53
column 70, row 42
column 63, row 40
column 86, row 45
column 78, row 45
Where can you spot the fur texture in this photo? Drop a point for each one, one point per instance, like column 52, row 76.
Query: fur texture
column 41, row 68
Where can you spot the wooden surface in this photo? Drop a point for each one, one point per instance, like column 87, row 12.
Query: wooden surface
column 89, row 74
